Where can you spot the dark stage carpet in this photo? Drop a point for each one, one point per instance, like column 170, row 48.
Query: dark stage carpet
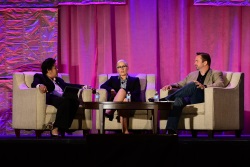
column 125, row 150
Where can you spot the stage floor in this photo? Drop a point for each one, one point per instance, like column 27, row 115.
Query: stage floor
column 125, row 150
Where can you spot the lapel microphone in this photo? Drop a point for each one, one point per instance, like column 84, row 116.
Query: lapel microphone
column 56, row 81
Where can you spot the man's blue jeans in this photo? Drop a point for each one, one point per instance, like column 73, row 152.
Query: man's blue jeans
column 189, row 94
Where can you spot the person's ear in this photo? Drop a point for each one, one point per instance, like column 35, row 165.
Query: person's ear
column 48, row 71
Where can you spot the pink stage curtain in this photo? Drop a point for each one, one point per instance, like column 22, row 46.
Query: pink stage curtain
column 160, row 37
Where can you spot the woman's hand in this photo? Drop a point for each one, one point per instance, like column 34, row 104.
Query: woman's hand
column 113, row 92
column 43, row 88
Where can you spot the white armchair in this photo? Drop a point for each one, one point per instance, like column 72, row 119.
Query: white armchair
column 142, row 119
column 30, row 111
column 222, row 110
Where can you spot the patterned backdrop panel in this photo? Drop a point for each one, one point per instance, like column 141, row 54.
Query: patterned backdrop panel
column 222, row 2
column 28, row 3
column 27, row 37
column 55, row 3
column 88, row 2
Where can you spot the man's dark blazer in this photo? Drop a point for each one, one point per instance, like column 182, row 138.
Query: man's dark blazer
column 133, row 85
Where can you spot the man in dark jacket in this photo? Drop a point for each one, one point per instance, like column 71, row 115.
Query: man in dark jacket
column 48, row 82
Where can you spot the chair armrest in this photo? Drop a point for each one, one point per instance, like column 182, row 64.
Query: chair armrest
column 150, row 93
column 28, row 107
column 164, row 93
column 223, row 105
column 86, row 95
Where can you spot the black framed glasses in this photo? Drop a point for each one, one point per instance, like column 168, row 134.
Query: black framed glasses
column 121, row 66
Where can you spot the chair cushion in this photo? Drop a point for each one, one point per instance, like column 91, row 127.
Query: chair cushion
column 194, row 109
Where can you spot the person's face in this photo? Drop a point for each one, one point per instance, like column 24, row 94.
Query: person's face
column 53, row 72
column 198, row 62
column 122, row 69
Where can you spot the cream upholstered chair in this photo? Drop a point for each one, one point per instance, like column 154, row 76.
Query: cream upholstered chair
column 142, row 119
column 30, row 112
column 222, row 110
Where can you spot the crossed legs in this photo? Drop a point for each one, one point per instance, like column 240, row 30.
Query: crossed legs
column 124, row 114
column 189, row 94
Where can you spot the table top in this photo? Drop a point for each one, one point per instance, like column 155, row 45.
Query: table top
column 128, row 105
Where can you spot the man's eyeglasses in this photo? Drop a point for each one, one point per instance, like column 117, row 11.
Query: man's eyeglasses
column 121, row 66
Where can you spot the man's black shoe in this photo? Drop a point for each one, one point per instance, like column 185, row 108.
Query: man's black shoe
column 171, row 132
column 151, row 99
column 163, row 99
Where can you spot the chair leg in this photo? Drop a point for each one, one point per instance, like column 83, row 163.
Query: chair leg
column 17, row 132
column 38, row 133
column 194, row 133
column 99, row 131
column 238, row 133
column 210, row 133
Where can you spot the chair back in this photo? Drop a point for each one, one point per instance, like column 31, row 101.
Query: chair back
column 232, row 79
column 29, row 77
column 227, row 75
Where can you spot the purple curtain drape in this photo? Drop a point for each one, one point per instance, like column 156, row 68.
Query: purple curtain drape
column 160, row 37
